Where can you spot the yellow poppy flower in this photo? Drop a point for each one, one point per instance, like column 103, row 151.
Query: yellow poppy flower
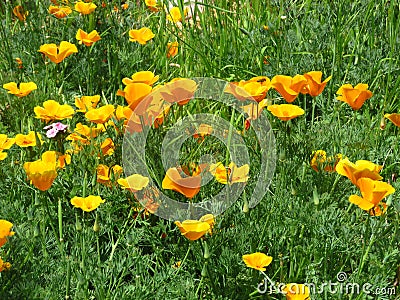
column 142, row 35
column 107, row 147
column 231, row 174
column 289, row 87
column 41, row 173
column 5, row 144
column 188, row 186
column 172, row 49
column 285, row 112
column 58, row 53
column 193, row 229
column 86, row 103
column 28, row 140
column 361, row 169
column 372, row 192
column 25, row 88
column 174, row 14
column 100, row 115
column 87, row 204
column 106, row 174
column 4, row 265
column 257, row 260
column 20, row 13
column 135, row 93
column 394, row 118
column 314, row 86
column 85, row 8
column 56, row 158
column 152, row 5
column 320, row 161
column 179, row 90
column 294, row 291
column 5, row 231
column 134, row 182
column 355, row 97
column 52, row 110
column 60, row 11
column 146, row 77
column 88, row 39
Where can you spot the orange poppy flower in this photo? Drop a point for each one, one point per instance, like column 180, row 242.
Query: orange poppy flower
column 87, row 204
column 88, row 39
column 134, row 182
column 135, row 92
column 5, row 231
column 106, row 174
column 56, row 158
column 152, row 5
column 142, row 35
column 58, row 53
column 257, row 260
column 188, row 186
column 294, row 291
column 20, row 13
column 5, row 144
column 314, row 86
column 4, row 266
column 60, row 11
column 285, row 112
column 289, row 87
column 28, row 140
column 174, row 14
column 394, row 118
column 178, row 90
column 123, row 112
column 231, row 174
column 373, row 192
column 86, row 103
column 41, row 173
column 25, row 88
column 172, row 49
column 85, row 8
column 107, row 147
column 146, row 77
column 355, row 97
column 193, row 229
column 256, row 88
column 361, row 169
column 100, row 115
column 52, row 110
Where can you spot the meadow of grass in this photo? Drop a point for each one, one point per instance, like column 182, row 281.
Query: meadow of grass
column 305, row 221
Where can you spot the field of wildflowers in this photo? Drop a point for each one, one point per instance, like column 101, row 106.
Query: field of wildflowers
column 199, row 150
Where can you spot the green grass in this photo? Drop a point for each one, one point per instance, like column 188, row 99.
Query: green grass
column 305, row 221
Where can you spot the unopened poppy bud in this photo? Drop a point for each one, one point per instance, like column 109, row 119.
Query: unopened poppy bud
column 315, row 196
column 78, row 225
column 206, row 254
column 245, row 206
column 96, row 226
column 382, row 124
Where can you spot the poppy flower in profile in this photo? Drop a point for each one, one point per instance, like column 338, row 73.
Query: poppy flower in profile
column 86, row 103
column 172, row 49
column 289, row 87
column 135, row 92
column 100, row 115
column 188, row 186
column 146, row 77
column 24, row 89
column 52, row 110
column 178, row 90
column 88, row 39
column 58, row 159
column 394, row 118
column 295, row 291
column 60, row 12
column 231, row 174
column 20, row 13
column 152, row 5
column 373, row 192
column 85, row 8
column 87, row 204
column 314, row 86
column 285, row 112
column 257, row 260
column 41, row 173
column 123, row 113
column 194, row 229
column 254, row 89
column 28, row 140
column 355, row 97
column 107, row 147
column 5, row 231
column 361, row 169
column 142, row 35
column 58, row 53
column 5, row 144
column 105, row 174
column 134, row 182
